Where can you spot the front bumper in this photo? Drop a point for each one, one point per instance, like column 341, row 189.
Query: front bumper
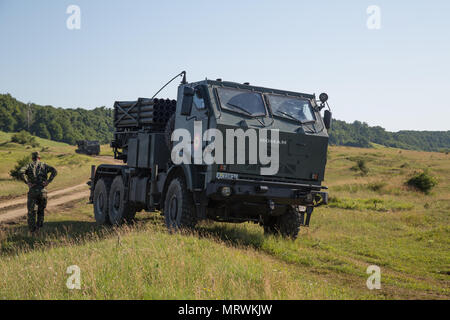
column 261, row 191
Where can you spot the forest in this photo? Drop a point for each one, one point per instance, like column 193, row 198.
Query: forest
column 70, row 125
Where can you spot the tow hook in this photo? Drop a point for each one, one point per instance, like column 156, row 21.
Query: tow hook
column 308, row 211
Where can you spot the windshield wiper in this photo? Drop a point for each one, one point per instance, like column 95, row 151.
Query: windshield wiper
column 240, row 108
column 288, row 115
column 248, row 112
column 294, row 118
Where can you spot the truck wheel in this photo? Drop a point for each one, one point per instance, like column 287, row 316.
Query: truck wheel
column 101, row 202
column 289, row 223
column 119, row 210
column 179, row 211
column 270, row 226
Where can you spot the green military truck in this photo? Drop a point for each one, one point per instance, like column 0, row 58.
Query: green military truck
column 91, row 148
column 280, row 201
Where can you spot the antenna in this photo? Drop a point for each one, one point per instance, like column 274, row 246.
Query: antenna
column 184, row 81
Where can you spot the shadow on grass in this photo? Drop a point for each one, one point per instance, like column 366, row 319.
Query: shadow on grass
column 232, row 234
column 18, row 239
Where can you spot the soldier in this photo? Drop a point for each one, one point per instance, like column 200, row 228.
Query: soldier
column 35, row 175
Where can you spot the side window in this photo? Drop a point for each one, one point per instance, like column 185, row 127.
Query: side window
column 199, row 102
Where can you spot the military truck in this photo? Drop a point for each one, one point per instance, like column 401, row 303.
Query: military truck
column 186, row 193
column 88, row 147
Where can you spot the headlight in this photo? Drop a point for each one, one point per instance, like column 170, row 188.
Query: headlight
column 225, row 191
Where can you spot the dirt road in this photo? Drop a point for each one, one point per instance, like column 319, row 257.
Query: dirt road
column 14, row 209
column 23, row 200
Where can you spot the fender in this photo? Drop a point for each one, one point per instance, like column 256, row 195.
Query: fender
column 109, row 170
column 103, row 170
column 186, row 170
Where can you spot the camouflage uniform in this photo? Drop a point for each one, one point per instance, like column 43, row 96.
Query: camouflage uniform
column 36, row 174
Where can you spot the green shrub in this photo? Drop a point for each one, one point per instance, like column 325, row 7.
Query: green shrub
column 14, row 173
column 423, row 181
column 25, row 138
column 361, row 166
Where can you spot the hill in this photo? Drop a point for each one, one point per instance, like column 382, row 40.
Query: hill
column 72, row 168
column 359, row 134
column 58, row 124
column 373, row 219
column 69, row 125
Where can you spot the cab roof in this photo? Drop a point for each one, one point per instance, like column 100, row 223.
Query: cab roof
column 229, row 84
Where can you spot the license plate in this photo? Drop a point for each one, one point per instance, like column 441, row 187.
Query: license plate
column 227, row 176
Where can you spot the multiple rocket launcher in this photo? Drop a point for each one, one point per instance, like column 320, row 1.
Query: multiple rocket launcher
column 144, row 113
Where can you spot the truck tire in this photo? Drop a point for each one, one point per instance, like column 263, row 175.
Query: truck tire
column 120, row 211
column 270, row 226
column 101, row 193
column 288, row 224
column 179, row 210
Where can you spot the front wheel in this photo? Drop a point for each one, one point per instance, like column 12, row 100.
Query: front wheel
column 179, row 211
column 288, row 224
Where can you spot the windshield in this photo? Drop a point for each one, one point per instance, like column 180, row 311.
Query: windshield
column 247, row 102
column 298, row 109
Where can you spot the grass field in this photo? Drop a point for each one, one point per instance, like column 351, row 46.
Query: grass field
column 373, row 219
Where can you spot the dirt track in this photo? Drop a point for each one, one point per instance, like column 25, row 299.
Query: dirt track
column 19, row 206
column 14, row 209
column 23, row 200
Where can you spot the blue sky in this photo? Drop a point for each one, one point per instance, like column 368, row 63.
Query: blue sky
column 395, row 77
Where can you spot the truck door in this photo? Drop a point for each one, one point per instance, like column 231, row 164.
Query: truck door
column 199, row 112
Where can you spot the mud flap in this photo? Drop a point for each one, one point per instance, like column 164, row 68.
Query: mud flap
column 91, row 185
column 200, row 202
column 308, row 213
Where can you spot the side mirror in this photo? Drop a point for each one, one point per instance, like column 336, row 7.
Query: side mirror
column 327, row 119
column 188, row 97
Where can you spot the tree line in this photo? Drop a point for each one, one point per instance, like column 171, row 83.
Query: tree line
column 58, row 124
column 360, row 134
column 70, row 125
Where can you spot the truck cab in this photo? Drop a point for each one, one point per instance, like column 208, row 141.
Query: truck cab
column 223, row 151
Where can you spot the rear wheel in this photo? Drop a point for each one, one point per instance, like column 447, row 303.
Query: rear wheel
column 101, row 193
column 119, row 210
column 179, row 211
